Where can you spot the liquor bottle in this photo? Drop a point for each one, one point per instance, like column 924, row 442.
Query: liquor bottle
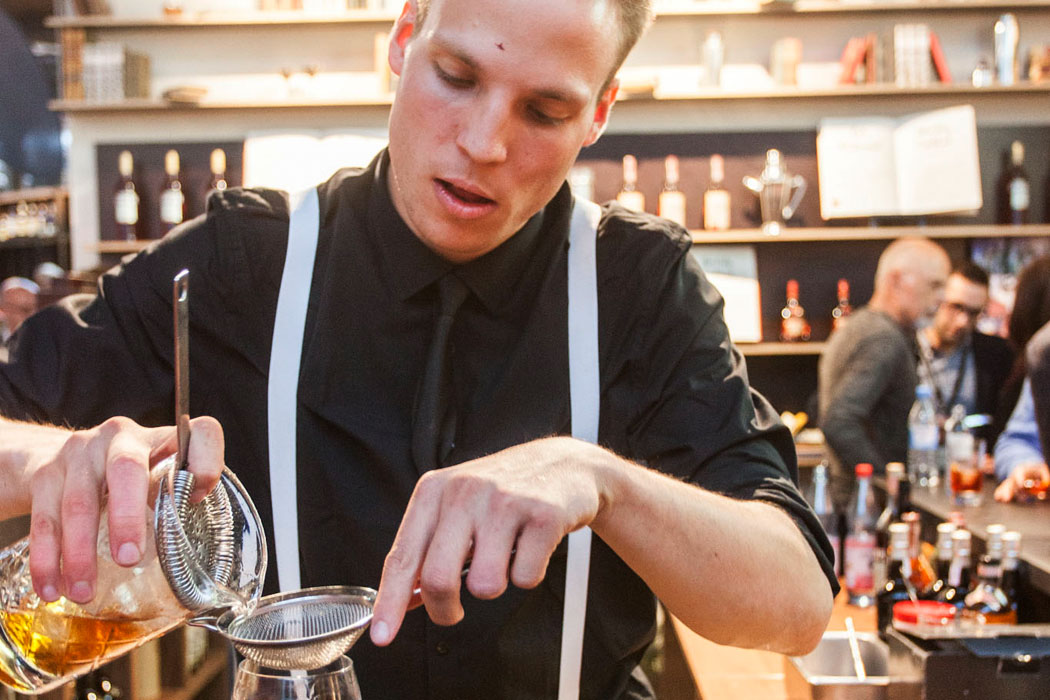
column 218, row 171
column 897, row 501
column 671, row 204
column 922, row 573
column 630, row 196
column 957, row 584
column 1010, row 575
column 172, row 199
column 1014, row 191
column 859, row 550
column 924, row 437
column 825, row 512
column 986, row 603
column 716, row 197
column 793, row 324
column 843, row 309
column 126, row 199
column 895, row 589
column 945, row 553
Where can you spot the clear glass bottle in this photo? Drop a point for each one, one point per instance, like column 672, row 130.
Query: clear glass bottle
column 126, row 199
column 859, row 548
column 924, row 437
column 825, row 511
column 172, row 198
column 44, row 645
column 716, row 197
column 843, row 308
column 671, row 203
column 630, row 196
column 793, row 324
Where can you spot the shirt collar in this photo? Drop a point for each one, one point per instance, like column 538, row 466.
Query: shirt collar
column 412, row 267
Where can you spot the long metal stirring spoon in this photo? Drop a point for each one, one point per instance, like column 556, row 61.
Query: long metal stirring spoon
column 180, row 303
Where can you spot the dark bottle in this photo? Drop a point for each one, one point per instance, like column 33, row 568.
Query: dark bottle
column 986, row 603
column 957, row 584
column 945, row 553
column 793, row 324
column 126, row 199
column 1014, row 189
column 898, row 500
column 843, row 308
column 172, row 198
column 898, row 571
column 1011, row 575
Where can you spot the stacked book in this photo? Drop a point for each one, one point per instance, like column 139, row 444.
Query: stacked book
column 102, row 71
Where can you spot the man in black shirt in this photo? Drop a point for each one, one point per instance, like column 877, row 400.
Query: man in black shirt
column 496, row 98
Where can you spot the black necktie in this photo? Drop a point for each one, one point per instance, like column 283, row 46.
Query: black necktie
column 434, row 426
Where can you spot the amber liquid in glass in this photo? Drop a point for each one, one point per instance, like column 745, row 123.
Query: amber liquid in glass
column 965, row 480
column 58, row 639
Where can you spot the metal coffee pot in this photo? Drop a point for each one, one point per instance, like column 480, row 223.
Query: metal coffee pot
column 779, row 192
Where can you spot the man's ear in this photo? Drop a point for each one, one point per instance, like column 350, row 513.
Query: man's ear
column 403, row 28
column 601, row 112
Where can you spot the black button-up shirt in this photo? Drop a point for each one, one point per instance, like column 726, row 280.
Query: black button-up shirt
column 674, row 396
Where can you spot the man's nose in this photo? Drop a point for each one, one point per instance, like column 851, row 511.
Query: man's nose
column 483, row 134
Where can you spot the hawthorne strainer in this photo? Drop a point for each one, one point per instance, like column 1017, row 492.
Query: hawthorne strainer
column 300, row 630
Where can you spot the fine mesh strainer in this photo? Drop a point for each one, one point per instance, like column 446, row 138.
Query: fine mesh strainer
column 300, row 630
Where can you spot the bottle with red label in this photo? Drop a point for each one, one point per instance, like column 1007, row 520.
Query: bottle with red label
column 859, row 549
column 793, row 324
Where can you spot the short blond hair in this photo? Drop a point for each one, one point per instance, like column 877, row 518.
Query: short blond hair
column 634, row 17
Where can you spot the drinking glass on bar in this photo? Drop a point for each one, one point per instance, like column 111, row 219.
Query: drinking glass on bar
column 965, row 477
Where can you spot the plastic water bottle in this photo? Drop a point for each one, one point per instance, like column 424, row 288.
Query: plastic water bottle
column 859, row 551
column 821, row 502
column 924, row 437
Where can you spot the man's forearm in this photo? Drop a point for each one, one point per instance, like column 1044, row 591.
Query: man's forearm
column 21, row 448
column 736, row 572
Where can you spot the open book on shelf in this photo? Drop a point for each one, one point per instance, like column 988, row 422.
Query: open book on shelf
column 293, row 161
column 913, row 165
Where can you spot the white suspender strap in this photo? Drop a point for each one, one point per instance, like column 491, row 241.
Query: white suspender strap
column 584, row 397
column 282, row 390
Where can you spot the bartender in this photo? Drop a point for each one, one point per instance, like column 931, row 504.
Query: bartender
column 450, row 251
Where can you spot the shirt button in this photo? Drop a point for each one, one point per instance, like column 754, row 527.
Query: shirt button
column 441, row 648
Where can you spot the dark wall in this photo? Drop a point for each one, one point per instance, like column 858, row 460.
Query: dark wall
column 29, row 132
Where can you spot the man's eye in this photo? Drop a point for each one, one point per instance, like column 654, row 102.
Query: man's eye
column 453, row 80
column 541, row 117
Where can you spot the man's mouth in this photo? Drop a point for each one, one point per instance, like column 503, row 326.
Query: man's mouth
column 464, row 194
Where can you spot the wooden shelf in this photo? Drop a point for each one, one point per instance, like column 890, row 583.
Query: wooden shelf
column 122, row 247
column 32, row 194
column 812, row 347
column 204, row 20
column 26, row 242
column 844, row 92
column 872, row 233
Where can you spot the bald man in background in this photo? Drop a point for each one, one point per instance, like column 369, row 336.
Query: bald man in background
column 18, row 301
column 867, row 372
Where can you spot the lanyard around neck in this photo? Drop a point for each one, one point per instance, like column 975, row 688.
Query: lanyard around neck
column 283, row 386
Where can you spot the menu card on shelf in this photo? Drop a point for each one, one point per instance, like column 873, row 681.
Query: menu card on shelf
column 733, row 270
column 907, row 166
column 293, row 161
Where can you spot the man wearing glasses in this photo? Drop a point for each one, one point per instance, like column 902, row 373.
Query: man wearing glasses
column 961, row 365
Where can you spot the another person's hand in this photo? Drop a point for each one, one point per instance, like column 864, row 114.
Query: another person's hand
column 1015, row 484
column 504, row 513
column 70, row 475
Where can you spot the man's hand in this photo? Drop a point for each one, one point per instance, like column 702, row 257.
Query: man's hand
column 68, row 475
column 1021, row 475
column 504, row 513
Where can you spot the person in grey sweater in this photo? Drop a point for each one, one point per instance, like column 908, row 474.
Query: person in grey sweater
column 867, row 371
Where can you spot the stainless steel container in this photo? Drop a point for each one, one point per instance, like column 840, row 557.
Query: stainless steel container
column 828, row 672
